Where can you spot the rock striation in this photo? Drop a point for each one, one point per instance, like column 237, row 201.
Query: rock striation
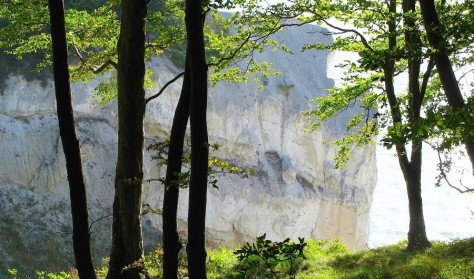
column 296, row 190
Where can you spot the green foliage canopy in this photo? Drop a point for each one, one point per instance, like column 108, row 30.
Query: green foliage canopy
column 376, row 32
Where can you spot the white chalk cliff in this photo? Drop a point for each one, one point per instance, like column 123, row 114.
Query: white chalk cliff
column 296, row 192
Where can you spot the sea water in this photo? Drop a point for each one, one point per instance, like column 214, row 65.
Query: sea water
column 448, row 213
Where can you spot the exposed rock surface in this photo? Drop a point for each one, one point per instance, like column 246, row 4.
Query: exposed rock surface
column 296, row 192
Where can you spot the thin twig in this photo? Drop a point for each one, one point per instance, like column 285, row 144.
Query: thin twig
column 164, row 87
column 362, row 37
column 152, row 180
column 445, row 176
column 98, row 69
column 147, row 209
column 234, row 53
column 103, row 66
column 463, row 75
column 97, row 220
column 85, row 141
column 426, row 76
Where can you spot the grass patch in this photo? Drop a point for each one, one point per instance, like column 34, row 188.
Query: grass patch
column 331, row 260
column 442, row 261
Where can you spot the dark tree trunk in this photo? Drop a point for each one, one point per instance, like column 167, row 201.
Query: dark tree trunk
column 77, row 187
column 412, row 174
column 196, row 249
column 171, row 244
column 443, row 63
column 411, row 170
column 127, row 246
column 417, row 238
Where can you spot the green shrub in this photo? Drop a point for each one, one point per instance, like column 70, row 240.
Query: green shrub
column 460, row 269
column 221, row 261
column 271, row 259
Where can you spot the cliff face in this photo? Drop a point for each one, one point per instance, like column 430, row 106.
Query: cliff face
column 296, row 192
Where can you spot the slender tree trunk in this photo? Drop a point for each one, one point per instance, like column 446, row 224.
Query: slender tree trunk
column 411, row 170
column 417, row 239
column 443, row 63
column 127, row 246
column 171, row 244
column 196, row 249
column 77, row 187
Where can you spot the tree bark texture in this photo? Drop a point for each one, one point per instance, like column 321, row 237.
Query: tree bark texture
column 443, row 64
column 77, row 187
column 171, row 243
column 127, row 244
column 196, row 249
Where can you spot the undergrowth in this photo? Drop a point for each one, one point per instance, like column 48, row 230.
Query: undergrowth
column 321, row 259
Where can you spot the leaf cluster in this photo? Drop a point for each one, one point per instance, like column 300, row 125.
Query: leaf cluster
column 232, row 41
column 93, row 29
column 377, row 34
column 279, row 254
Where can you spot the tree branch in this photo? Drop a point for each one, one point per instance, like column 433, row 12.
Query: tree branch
column 103, row 66
column 162, row 45
column 78, row 53
column 465, row 74
column 445, row 177
column 164, row 87
column 147, row 209
column 426, row 76
column 362, row 38
column 234, row 53
column 100, row 68
column 97, row 220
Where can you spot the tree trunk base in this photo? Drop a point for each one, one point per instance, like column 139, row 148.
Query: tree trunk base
column 418, row 244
